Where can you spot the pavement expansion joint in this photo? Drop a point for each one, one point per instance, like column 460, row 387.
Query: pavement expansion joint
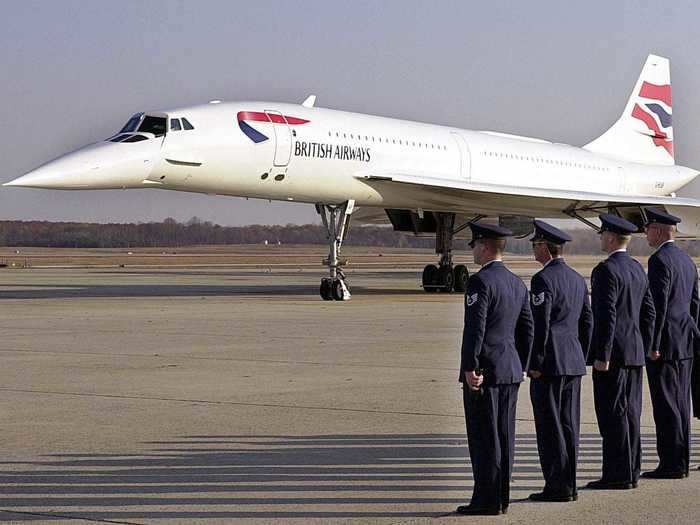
column 232, row 403
column 68, row 517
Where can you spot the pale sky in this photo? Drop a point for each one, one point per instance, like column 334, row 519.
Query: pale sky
column 74, row 71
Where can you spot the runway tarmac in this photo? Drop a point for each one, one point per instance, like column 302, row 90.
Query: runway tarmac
column 226, row 395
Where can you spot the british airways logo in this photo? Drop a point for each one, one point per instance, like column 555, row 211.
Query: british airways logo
column 656, row 116
column 258, row 116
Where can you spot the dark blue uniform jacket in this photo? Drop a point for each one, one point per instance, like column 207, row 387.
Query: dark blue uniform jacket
column 498, row 326
column 623, row 309
column 563, row 321
column 673, row 280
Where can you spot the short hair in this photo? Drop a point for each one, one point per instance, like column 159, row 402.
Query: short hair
column 495, row 245
column 623, row 238
column 555, row 250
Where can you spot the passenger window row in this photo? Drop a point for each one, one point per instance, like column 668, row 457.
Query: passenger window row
column 543, row 160
column 386, row 140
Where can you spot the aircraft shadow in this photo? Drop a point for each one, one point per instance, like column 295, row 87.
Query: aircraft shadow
column 232, row 476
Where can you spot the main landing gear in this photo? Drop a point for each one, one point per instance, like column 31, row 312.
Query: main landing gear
column 335, row 218
column 445, row 277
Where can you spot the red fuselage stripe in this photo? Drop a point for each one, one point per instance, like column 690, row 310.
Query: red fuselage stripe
column 259, row 116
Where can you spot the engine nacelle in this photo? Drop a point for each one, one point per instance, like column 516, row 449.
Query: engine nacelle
column 520, row 225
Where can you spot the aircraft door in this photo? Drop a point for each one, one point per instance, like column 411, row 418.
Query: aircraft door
column 464, row 167
column 283, row 137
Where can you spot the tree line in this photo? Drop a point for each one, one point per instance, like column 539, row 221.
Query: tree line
column 171, row 233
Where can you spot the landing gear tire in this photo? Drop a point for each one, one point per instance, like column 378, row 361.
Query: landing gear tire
column 338, row 290
column 326, row 289
column 430, row 278
column 461, row 276
column 446, row 279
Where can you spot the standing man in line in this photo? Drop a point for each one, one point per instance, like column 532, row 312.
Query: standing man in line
column 563, row 329
column 623, row 334
column 695, row 381
column 496, row 346
column 673, row 280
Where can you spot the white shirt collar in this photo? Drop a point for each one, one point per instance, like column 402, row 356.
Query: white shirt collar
column 549, row 261
column 616, row 251
column 664, row 243
column 491, row 262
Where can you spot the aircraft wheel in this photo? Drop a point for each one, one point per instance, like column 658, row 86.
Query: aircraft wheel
column 429, row 277
column 446, row 279
column 461, row 276
column 337, row 290
column 325, row 289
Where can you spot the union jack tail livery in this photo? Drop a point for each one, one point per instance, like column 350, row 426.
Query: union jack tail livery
column 644, row 132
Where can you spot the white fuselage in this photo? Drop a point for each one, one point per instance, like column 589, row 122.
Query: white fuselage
column 323, row 159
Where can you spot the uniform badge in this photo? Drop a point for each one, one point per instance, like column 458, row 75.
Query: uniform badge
column 538, row 299
column 471, row 299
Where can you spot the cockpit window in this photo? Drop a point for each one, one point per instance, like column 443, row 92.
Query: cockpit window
column 175, row 124
column 132, row 124
column 155, row 125
column 118, row 138
column 135, row 138
column 186, row 124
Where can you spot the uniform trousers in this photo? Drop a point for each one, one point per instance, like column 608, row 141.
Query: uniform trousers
column 669, row 386
column 696, row 386
column 556, row 403
column 490, row 418
column 617, row 396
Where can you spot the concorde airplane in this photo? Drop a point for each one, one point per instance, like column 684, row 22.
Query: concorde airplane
column 422, row 178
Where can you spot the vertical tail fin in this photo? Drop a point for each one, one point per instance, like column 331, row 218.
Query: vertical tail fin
column 644, row 132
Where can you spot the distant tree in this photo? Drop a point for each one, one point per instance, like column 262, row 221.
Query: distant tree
column 170, row 233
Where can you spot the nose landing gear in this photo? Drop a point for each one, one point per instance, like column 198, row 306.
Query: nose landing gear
column 336, row 219
column 445, row 277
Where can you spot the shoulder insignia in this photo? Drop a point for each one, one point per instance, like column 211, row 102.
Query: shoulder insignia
column 471, row 299
column 538, row 299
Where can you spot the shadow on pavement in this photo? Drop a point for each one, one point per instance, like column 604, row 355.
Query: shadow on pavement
column 268, row 477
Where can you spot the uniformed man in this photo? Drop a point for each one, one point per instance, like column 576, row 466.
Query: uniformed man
column 695, row 381
column 563, row 329
column 496, row 346
column 673, row 280
column 623, row 334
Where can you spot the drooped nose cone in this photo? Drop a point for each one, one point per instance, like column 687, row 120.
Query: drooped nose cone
column 104, row 165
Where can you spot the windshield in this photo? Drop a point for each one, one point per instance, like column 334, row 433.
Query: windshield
column 132, row 124
column 155, row 125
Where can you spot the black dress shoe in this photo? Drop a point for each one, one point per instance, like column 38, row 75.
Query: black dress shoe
column 470, row 510
column 611, row 485
column 662, row 474
column 551, row 496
